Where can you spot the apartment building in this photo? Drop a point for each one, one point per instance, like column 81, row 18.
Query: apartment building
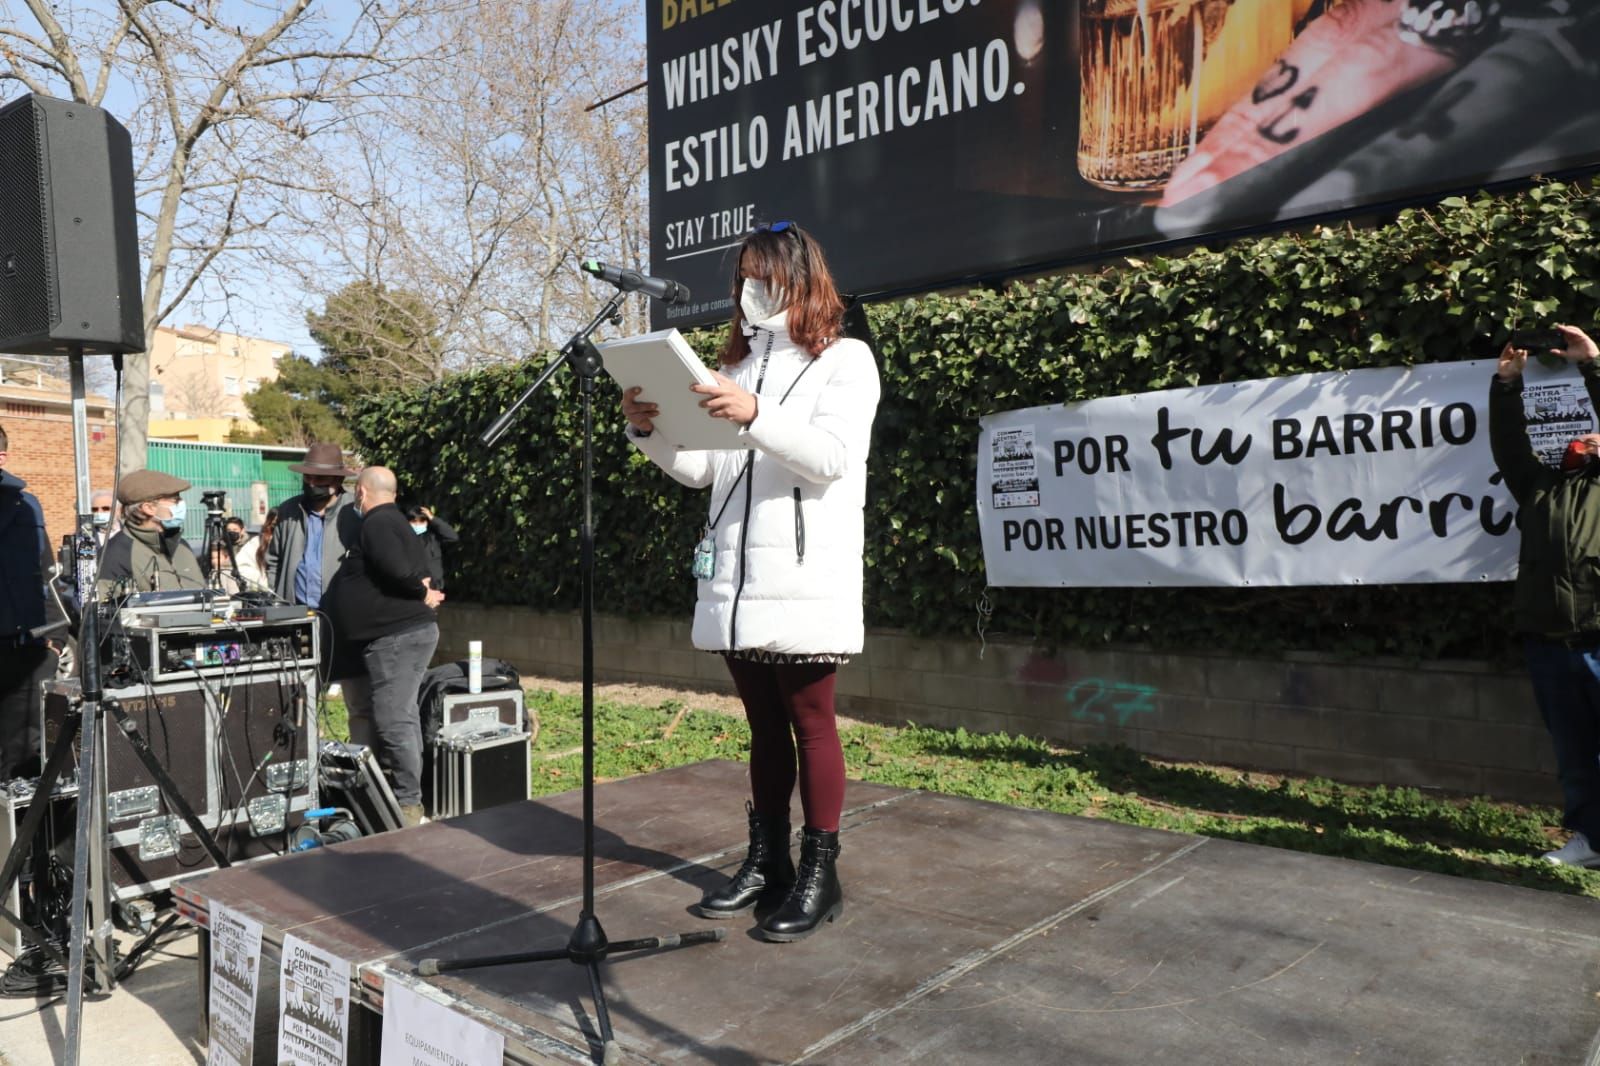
column 199, row 378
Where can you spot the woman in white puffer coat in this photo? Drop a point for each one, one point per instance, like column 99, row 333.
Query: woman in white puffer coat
column 779, row 564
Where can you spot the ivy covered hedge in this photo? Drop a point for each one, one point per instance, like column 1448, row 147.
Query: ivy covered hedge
column 1431, row 285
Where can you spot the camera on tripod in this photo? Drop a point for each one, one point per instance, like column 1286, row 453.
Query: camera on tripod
column 215, row 501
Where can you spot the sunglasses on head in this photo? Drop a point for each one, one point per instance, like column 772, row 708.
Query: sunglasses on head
column 779, row 227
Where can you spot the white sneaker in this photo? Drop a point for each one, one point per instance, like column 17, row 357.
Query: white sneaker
column 1576, row 852
column 335, row 690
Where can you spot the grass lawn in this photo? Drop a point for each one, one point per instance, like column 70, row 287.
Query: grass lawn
column 1398, row 826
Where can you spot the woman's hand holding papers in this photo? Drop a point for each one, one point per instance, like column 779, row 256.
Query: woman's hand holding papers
column 639, row 412
column 727, row 400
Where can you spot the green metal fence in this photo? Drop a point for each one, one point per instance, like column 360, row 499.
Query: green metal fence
column 283, row 481
column 254, row 477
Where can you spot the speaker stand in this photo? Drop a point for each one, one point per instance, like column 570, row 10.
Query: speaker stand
column 90, row 857
column 85, row 723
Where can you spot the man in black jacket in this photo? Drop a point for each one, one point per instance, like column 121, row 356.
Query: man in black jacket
column 383, row 601
column 25, row 661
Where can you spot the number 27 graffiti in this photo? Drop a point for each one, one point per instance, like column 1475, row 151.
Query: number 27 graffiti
column 1094, row 699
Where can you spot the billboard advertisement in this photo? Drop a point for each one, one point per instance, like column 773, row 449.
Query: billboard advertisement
column 930, row 142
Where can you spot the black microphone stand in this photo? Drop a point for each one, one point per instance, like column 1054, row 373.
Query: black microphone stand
column 587, row 946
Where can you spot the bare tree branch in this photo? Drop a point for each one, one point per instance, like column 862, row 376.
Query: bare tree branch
column 60, row 49
column 26, row 82
column 209, row 255
column 230, row 104
column 506, row 180
column 438, row 150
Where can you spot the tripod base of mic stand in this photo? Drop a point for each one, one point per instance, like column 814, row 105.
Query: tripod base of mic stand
column 587, row 947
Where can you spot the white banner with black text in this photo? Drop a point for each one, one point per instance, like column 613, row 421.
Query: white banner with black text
column 1360, row 477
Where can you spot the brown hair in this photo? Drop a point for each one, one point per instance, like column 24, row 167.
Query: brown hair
column 264, row 538
column 792, row 260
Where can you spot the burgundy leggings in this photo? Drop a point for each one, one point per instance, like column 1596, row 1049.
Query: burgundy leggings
column 790, row 710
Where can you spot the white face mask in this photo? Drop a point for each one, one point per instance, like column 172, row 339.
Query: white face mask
column 760, row 303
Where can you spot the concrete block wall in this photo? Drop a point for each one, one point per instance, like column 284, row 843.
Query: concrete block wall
column 1459, row 726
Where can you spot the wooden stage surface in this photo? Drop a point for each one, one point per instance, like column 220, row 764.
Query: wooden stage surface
column 972, row 933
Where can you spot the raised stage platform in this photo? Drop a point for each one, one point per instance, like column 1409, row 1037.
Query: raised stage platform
column 972, row 933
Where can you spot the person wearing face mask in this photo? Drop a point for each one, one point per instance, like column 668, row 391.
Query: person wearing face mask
column 219, row 565
column 101, row 507
column 148, row 553
column 249, row 552
column 435, row 533
column 779, row 562
column 1557, row 597
column 314, row 529
column 384, row 610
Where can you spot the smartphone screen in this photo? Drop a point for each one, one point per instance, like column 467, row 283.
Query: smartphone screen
column 1538, row 341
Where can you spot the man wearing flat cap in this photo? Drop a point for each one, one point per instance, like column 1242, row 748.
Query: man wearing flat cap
column 148, row 553
column 314, row 530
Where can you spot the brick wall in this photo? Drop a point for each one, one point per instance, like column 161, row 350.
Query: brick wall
column 39, row 426
column 1456, row 726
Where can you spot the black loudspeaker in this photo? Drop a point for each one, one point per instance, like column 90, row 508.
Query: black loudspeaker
column 69, row 241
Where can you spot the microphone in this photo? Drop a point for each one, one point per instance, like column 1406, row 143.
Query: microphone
column 632, row 281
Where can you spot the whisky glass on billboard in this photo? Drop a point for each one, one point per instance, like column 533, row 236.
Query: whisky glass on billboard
column 1155, row 75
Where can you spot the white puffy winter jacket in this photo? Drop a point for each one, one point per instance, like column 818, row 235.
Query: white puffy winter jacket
column 788, row 545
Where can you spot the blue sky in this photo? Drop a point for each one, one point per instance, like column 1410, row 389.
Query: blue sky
column 279, row 314
column 272, row 309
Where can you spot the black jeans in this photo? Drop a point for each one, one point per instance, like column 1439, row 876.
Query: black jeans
column 383, row 705
column 22, row 670
column 1566, row 683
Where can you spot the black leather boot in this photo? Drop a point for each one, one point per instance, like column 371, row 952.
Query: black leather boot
column 766, row 874
column 816, row 896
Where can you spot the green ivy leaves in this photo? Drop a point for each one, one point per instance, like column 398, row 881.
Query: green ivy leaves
column 1434, row 284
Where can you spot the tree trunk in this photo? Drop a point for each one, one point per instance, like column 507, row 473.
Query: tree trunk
column 133, row 417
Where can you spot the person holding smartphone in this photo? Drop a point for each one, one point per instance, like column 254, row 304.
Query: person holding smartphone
column 779, row 561
column 1557, row 596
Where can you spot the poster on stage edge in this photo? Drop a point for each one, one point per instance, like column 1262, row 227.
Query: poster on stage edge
column 313, row 1006
column 235, row 981
column 419, row 1030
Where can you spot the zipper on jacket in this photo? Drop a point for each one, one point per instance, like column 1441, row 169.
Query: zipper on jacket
column 744, row 527
column 744, row 532
column 799, row 530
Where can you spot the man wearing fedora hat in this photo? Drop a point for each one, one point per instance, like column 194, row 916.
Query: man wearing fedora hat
column 148, row 553
column 314, row 530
